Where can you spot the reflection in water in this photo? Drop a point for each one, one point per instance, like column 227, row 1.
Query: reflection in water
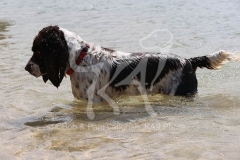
column 176, row 118
column 131, row 108
column 3, row 27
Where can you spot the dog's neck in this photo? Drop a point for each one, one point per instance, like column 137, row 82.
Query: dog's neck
column 94, row 55
column 75, row 44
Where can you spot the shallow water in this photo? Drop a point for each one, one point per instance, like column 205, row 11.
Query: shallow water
column 39, row 121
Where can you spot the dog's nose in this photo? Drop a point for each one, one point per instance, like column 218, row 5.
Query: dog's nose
column 28, row 67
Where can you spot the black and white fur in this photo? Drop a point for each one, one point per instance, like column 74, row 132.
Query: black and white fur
column 105, row 73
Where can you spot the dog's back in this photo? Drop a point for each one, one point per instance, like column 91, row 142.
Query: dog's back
column 163, row 73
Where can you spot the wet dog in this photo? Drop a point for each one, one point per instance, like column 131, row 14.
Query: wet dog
column 98, row 74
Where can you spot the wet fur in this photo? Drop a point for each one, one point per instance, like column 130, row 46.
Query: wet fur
column 106, row 73
column 51, row 53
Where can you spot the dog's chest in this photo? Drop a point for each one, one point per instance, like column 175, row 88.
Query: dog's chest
column 86, row 85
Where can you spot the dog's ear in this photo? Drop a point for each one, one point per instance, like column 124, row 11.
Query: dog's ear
column 54, row 47
column 45, row 77
column 56, row 67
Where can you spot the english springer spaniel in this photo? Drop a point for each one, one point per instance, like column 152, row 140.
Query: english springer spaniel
column 98, row 74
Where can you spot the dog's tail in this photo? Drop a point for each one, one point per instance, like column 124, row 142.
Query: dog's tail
column 214, row 61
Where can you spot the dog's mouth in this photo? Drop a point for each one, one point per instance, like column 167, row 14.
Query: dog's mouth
column 34, row 69
column 36, row 74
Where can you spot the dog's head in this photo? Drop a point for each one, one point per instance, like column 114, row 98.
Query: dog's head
column 50, row 55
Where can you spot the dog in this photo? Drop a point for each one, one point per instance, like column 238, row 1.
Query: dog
column 98, row 74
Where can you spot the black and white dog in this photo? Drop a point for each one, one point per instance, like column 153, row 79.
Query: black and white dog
column 99, row 73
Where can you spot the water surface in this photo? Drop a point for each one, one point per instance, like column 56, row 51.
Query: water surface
column 39, row 121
